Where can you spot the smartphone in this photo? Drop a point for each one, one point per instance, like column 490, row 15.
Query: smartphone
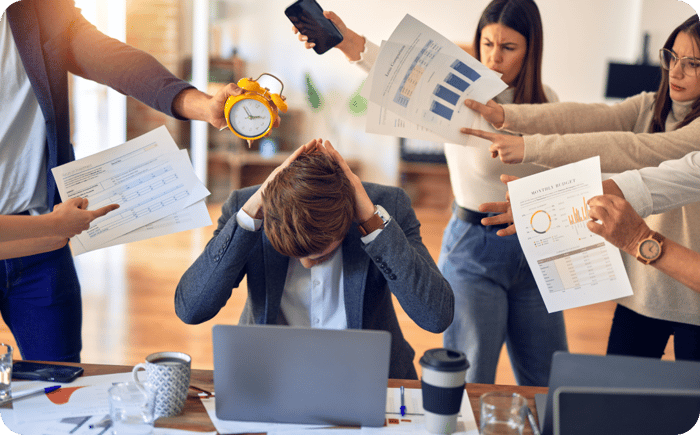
column 45, row 372
column 307, row 17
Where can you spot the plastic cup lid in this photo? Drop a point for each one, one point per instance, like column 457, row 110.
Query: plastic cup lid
column 444, row 360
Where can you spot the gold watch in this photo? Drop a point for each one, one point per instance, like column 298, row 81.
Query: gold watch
column 650, row 249
column 379, row 220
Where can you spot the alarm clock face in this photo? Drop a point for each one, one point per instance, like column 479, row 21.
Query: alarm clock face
column 250, row 118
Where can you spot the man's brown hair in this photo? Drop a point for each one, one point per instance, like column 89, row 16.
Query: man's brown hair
column 309, row 205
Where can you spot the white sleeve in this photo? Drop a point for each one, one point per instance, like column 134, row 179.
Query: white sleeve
column 673, row 184
column 246, row 222
column 635, row 191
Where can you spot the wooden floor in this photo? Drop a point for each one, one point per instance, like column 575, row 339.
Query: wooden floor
column 128, row 303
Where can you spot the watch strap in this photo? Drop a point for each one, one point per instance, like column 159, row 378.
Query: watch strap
column 379, row 220
column 374, row 223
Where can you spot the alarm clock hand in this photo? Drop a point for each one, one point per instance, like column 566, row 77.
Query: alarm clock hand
column 249, row 115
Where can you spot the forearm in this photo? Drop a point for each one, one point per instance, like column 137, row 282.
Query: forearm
column 352, row 45
column 26, row 227
column 611, row 188
column 569, row 118
column 409, row 269
column 618, row 151
column 680, row 263
column 208, row 283
column 192, row 103
column 30, row 246
column 130, row 71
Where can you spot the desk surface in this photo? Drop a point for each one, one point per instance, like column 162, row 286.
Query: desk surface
column 194, row 417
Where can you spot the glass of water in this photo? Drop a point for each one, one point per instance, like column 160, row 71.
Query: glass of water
column 502, row 413
column 132, row 409
column 5, row 371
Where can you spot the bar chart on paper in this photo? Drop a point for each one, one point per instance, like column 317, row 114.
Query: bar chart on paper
column 460, row 77
column 446, row 93
column 565, row 268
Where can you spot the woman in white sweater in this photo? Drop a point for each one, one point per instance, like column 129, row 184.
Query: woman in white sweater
column 496, row 296
column 641, row 131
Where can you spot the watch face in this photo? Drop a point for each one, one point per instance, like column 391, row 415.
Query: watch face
column 649, row 249
column 250, row 118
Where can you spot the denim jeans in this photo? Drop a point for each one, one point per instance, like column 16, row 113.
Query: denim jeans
column 40, row 303
column 633, row 334
column 497, row 301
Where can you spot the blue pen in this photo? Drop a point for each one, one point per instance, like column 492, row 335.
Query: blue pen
column 403, row 408
column 30, row 392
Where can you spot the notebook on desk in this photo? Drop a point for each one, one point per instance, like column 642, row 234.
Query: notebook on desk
column 301, row 375
column 577, row 370
column 624, row 411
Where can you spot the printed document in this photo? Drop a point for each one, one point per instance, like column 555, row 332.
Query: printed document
column 152, row 181
column 572, row 266
column 423, row 78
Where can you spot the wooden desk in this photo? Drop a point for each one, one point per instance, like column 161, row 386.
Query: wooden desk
column 194, row 417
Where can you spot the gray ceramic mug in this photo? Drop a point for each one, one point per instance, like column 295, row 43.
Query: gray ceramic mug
column 169, row 374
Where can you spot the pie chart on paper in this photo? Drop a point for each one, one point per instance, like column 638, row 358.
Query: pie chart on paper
column 540, row 222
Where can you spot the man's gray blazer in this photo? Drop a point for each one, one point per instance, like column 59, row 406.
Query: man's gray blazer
column 395, row 262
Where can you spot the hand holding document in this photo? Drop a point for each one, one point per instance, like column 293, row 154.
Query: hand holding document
column 572, row 266
column 419, row 82
column 152, row 181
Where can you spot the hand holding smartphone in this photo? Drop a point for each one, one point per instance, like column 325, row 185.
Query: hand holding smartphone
column 307, row 17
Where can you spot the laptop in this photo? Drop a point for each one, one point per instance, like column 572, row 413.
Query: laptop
column 579, row 370
column 285, row 374
column 624, row 411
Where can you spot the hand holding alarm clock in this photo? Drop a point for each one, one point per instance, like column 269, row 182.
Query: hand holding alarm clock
column 252, row 114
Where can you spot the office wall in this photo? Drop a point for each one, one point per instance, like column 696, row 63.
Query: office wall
column 581, row 37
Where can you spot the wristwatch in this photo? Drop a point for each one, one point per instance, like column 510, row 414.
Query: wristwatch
column 379, row 220
column 650, row 249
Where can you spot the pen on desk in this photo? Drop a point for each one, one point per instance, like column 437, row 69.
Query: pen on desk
column 30, row 392
column 105, row 422
column 403, row 407
column 533, row 422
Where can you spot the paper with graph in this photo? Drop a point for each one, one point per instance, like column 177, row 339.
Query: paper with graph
column 423, row 78
column 152, row 181
column 572, row 266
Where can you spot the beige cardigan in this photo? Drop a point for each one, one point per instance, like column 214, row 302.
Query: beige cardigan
column 618, row 134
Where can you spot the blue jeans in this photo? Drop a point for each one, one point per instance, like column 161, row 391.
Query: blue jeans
column 497, row 301
column 40, row 303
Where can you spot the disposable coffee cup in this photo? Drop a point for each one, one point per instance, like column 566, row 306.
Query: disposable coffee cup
column 442, row 384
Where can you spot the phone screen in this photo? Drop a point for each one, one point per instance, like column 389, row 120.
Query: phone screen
column 45, row 372
column 307, row 17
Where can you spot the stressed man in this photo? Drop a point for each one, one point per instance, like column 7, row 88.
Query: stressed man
column 320, row 249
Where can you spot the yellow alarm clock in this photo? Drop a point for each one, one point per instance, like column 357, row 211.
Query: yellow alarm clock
column 252, row 114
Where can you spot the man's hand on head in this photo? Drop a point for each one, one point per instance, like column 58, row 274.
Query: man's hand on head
column 364, row 207
column 253, row 207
